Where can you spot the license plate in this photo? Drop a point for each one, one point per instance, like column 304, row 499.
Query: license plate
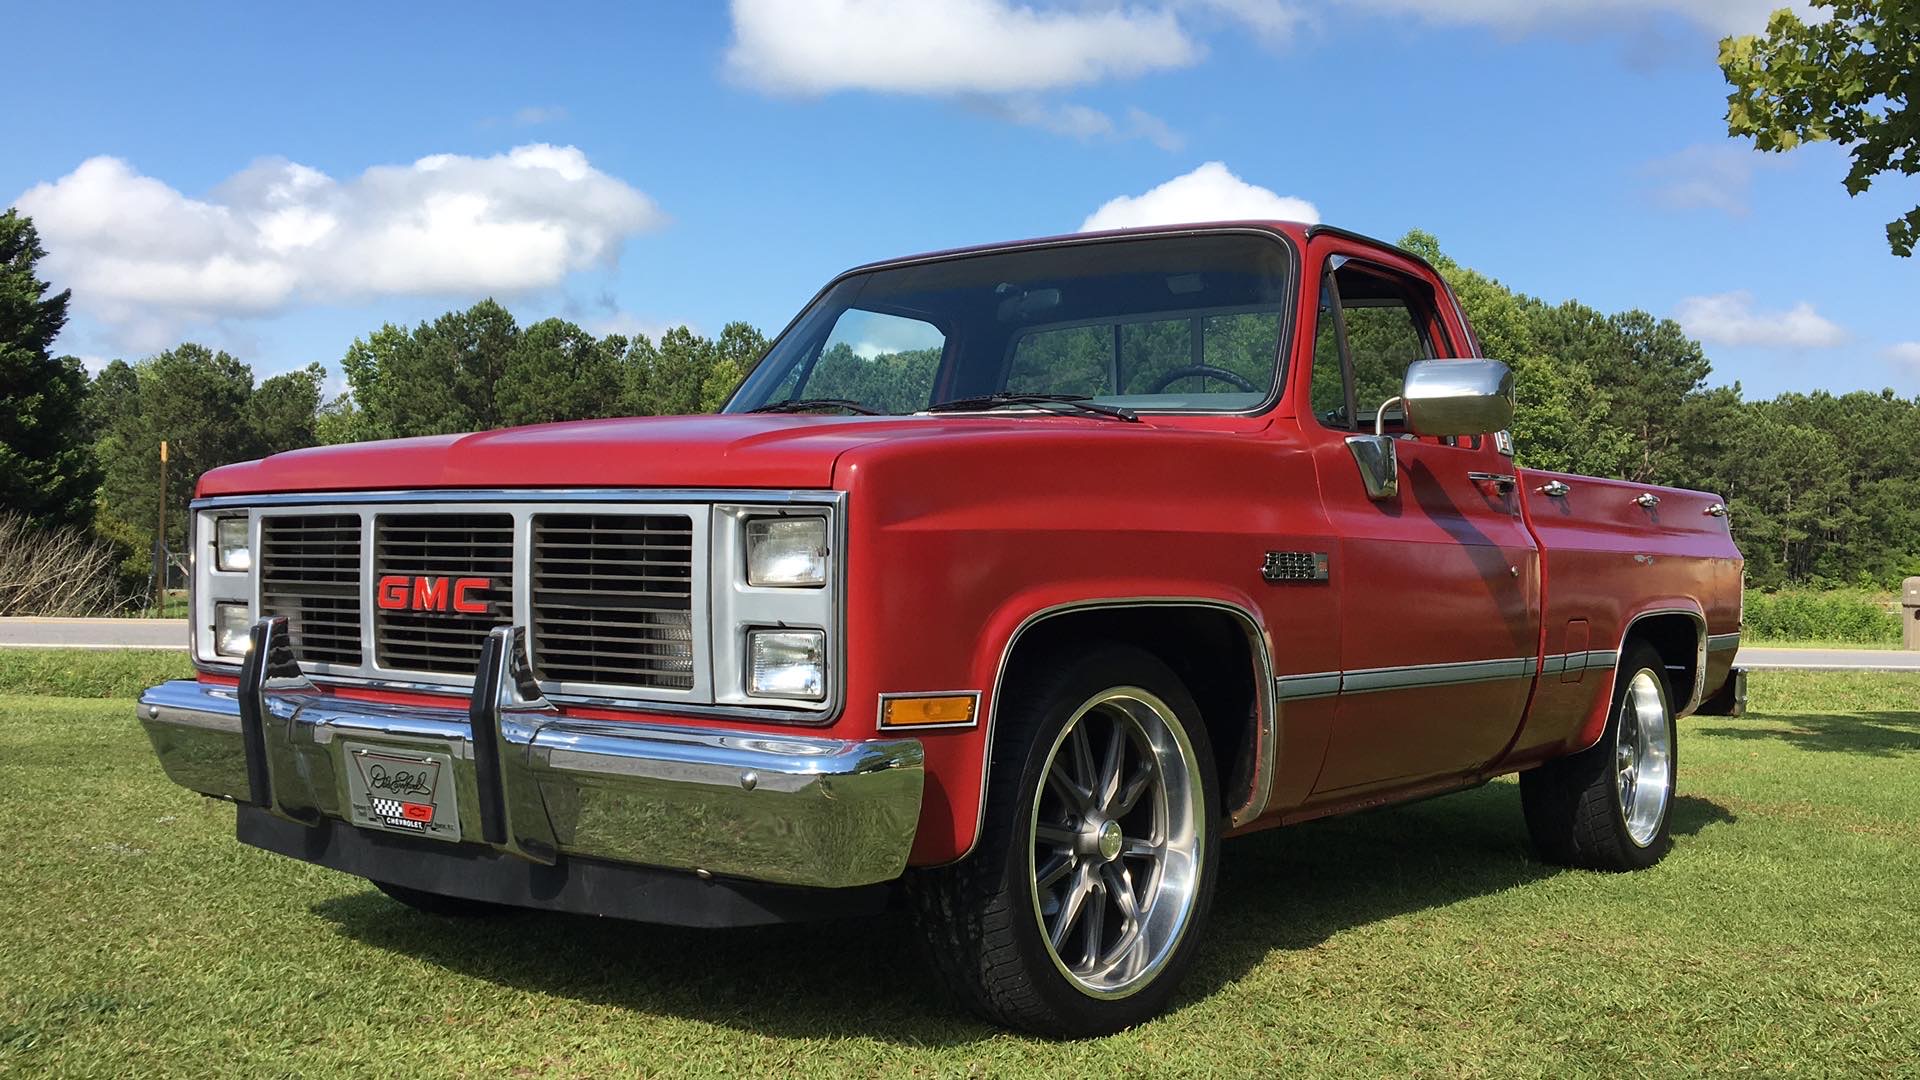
column 403, row 791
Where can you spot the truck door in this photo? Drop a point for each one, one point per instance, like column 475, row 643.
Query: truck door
column 1439, row 583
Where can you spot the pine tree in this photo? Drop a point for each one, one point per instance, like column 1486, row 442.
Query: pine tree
column 47, row 469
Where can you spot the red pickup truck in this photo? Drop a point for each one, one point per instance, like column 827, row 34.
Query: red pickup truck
column 1009, row 583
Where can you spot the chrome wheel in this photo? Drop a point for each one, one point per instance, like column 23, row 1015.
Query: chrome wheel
column 1118, row 831
column 1643, row 758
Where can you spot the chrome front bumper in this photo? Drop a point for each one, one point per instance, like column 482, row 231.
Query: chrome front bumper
column 788, row 809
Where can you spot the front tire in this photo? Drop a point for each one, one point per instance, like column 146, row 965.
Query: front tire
column 1079, row 910
column 1608, row 807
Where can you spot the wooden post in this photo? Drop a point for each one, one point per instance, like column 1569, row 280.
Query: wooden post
column 160, row 543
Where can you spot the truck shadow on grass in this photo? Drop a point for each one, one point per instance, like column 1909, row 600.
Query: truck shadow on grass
column 1874, row 734
column 1286, row 889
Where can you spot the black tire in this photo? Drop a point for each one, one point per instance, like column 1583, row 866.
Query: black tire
column 427, row 903
column 982, row 918
column 1575, row 806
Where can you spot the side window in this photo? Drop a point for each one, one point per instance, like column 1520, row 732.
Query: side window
column 1386, row 319
column 885, row 362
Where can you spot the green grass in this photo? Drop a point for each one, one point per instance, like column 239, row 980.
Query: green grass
column 89, row 673
column 138, row 938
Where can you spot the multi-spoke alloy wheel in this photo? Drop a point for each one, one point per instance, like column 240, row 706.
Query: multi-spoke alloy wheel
column 1080, row 906
column 1115, row 841
column 1607, row 807
column 1643, row 758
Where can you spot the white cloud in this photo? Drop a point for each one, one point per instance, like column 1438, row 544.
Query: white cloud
column 1208, row 193
column 1710, row 176
column 947, row 46
column 142, row 257
column 1081, row 122
column 529, row 115
column 1906, row 354
column 1730, row 319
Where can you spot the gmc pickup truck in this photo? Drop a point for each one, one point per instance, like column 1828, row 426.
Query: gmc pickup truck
column 1010, row 582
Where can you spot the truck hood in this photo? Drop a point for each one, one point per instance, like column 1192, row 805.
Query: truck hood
column 738, row 451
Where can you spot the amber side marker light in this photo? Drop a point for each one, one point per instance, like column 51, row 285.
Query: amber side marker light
column 931, row 710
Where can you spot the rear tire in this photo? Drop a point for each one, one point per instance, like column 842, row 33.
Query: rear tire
column 427, row 903
column 1080, row 908
column 1609, row 806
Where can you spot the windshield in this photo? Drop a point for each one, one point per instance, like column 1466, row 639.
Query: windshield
column 1163, row 323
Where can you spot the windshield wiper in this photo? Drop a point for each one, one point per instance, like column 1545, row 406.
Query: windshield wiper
column 1077, row 402
column 810, row 404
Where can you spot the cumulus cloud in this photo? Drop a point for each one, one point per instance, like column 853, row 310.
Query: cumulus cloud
column 1906, row 354
column 1731, row 319
column 946, row 46
column 1209, row 193
column 140, row 255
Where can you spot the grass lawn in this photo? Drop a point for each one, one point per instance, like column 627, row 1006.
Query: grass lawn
column 138, row 938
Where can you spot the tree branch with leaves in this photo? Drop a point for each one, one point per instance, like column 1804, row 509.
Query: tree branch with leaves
column 1850, row 80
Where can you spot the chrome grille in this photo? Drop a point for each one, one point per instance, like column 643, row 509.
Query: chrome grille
column 435, row 547
column 612, row 598
column 310, row 572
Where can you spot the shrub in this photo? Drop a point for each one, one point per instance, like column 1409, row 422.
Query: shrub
column 1855, row 616
column 54, row 571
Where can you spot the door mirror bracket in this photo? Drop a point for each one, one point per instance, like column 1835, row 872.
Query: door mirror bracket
column 1439, row 398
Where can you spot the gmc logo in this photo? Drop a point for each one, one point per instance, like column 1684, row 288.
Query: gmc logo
column 465, row 596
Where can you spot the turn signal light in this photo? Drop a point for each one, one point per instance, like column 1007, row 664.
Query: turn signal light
column 922, row 711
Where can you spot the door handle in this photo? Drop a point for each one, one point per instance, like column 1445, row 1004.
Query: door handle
column 1554, row 489
column 1647, row 499
column 1499, row 480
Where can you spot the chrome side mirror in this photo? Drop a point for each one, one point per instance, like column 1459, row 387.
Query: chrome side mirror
column 1458, row 397
column 1439, row 397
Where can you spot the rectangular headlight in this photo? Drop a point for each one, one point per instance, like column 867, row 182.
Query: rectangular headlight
column 230, row 627
column 786, row 551
column 787, row 664
column 230, row 550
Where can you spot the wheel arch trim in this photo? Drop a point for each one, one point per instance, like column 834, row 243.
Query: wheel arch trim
column 1266, row 726
column 1596, row 725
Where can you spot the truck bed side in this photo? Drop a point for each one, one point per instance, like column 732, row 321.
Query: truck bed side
column 1611, row 565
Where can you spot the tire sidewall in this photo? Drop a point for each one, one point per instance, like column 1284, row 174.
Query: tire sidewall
column 1092, row 674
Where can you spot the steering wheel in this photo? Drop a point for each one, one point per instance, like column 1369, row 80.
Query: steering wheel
column 1207, row 371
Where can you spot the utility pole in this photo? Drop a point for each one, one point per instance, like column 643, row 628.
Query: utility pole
column 160, row 543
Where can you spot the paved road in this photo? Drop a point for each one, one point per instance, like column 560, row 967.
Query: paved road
column 94, row 633
column 1762, row 659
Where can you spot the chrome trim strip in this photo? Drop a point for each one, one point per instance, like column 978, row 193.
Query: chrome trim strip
column 1267, row 722
column 880, row 710
column 1415, row 676
column 1556, row 663
column 794, row 809
column 1723, row 642
column 1306, row 687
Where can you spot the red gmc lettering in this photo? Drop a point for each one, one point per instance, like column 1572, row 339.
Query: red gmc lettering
column 467, row 595
column 460, row 601
column 430, row 594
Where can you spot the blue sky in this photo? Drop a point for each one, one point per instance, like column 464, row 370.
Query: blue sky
column 205, row 175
